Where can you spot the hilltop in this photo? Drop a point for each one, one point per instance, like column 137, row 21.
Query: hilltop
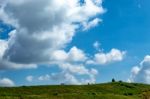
column 115, row 90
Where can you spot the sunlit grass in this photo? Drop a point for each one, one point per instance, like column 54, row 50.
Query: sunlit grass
column 116, row 90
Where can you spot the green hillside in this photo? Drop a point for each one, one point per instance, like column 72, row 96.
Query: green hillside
column 116, row 90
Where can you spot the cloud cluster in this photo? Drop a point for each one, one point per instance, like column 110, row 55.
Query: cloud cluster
column 5, row 82
column 75, row 60
column 41, row 29
column 141, row 73
column 68, row 76
column 42, row 32
column 74, row 55
column 102, row 58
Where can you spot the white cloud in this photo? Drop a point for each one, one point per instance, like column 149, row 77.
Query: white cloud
column 74, row 61
column 141, row 73
column 74, row 55
column 29, row 78
column 69, row 75
column 135, row 70
column 93, row 23
column 93, row 71
column 3, row 47
column 70, row 71
column 97, row 46
column 42, row 30
column 60, row 55
column 70, row 79
column 65, row 77
column 77, row 69
column 62, row 77
column 80, row 70
column 5, row 82
column 44, row 78
column 104, row 58
column 42, row 33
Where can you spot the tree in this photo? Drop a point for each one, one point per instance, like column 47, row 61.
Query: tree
column 120, row 81
column 113, row 80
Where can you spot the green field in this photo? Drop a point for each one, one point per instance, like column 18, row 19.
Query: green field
column 116, row 90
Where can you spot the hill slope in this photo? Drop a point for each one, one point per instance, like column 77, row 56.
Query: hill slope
column 117, row 90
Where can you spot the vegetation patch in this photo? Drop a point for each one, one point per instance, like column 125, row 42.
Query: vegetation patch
column 113, row 90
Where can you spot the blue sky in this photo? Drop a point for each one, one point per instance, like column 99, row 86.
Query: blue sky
column 125, row 26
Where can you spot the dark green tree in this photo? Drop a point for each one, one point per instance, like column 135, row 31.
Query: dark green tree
column 113, row 80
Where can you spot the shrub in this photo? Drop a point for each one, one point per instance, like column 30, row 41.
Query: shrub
column 128, row 94
column 120, row 81
column 55, row 94
column 93, row 93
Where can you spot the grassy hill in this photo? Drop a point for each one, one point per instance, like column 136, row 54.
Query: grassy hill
column 116, row 90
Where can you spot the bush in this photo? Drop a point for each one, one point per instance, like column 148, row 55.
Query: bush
column 128, row 94
column 55, row 94
column 93, row 93
column 120, row 81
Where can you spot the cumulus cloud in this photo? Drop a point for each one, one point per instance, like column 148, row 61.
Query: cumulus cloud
column 6, row 82
column 74, row 55
column 141, row 73
column 40, row 29
column 7, row 64
column 42, row 32
column 64, row 77
column 69, row 76
column 102, row 58
column 80, row 70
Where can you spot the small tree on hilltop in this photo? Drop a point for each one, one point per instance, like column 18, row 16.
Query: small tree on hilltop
column 113, row 80
column 120, row 81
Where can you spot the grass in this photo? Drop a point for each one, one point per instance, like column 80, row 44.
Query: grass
column 116, row 90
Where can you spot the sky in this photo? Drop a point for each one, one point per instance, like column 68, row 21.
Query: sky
column 74, row 41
